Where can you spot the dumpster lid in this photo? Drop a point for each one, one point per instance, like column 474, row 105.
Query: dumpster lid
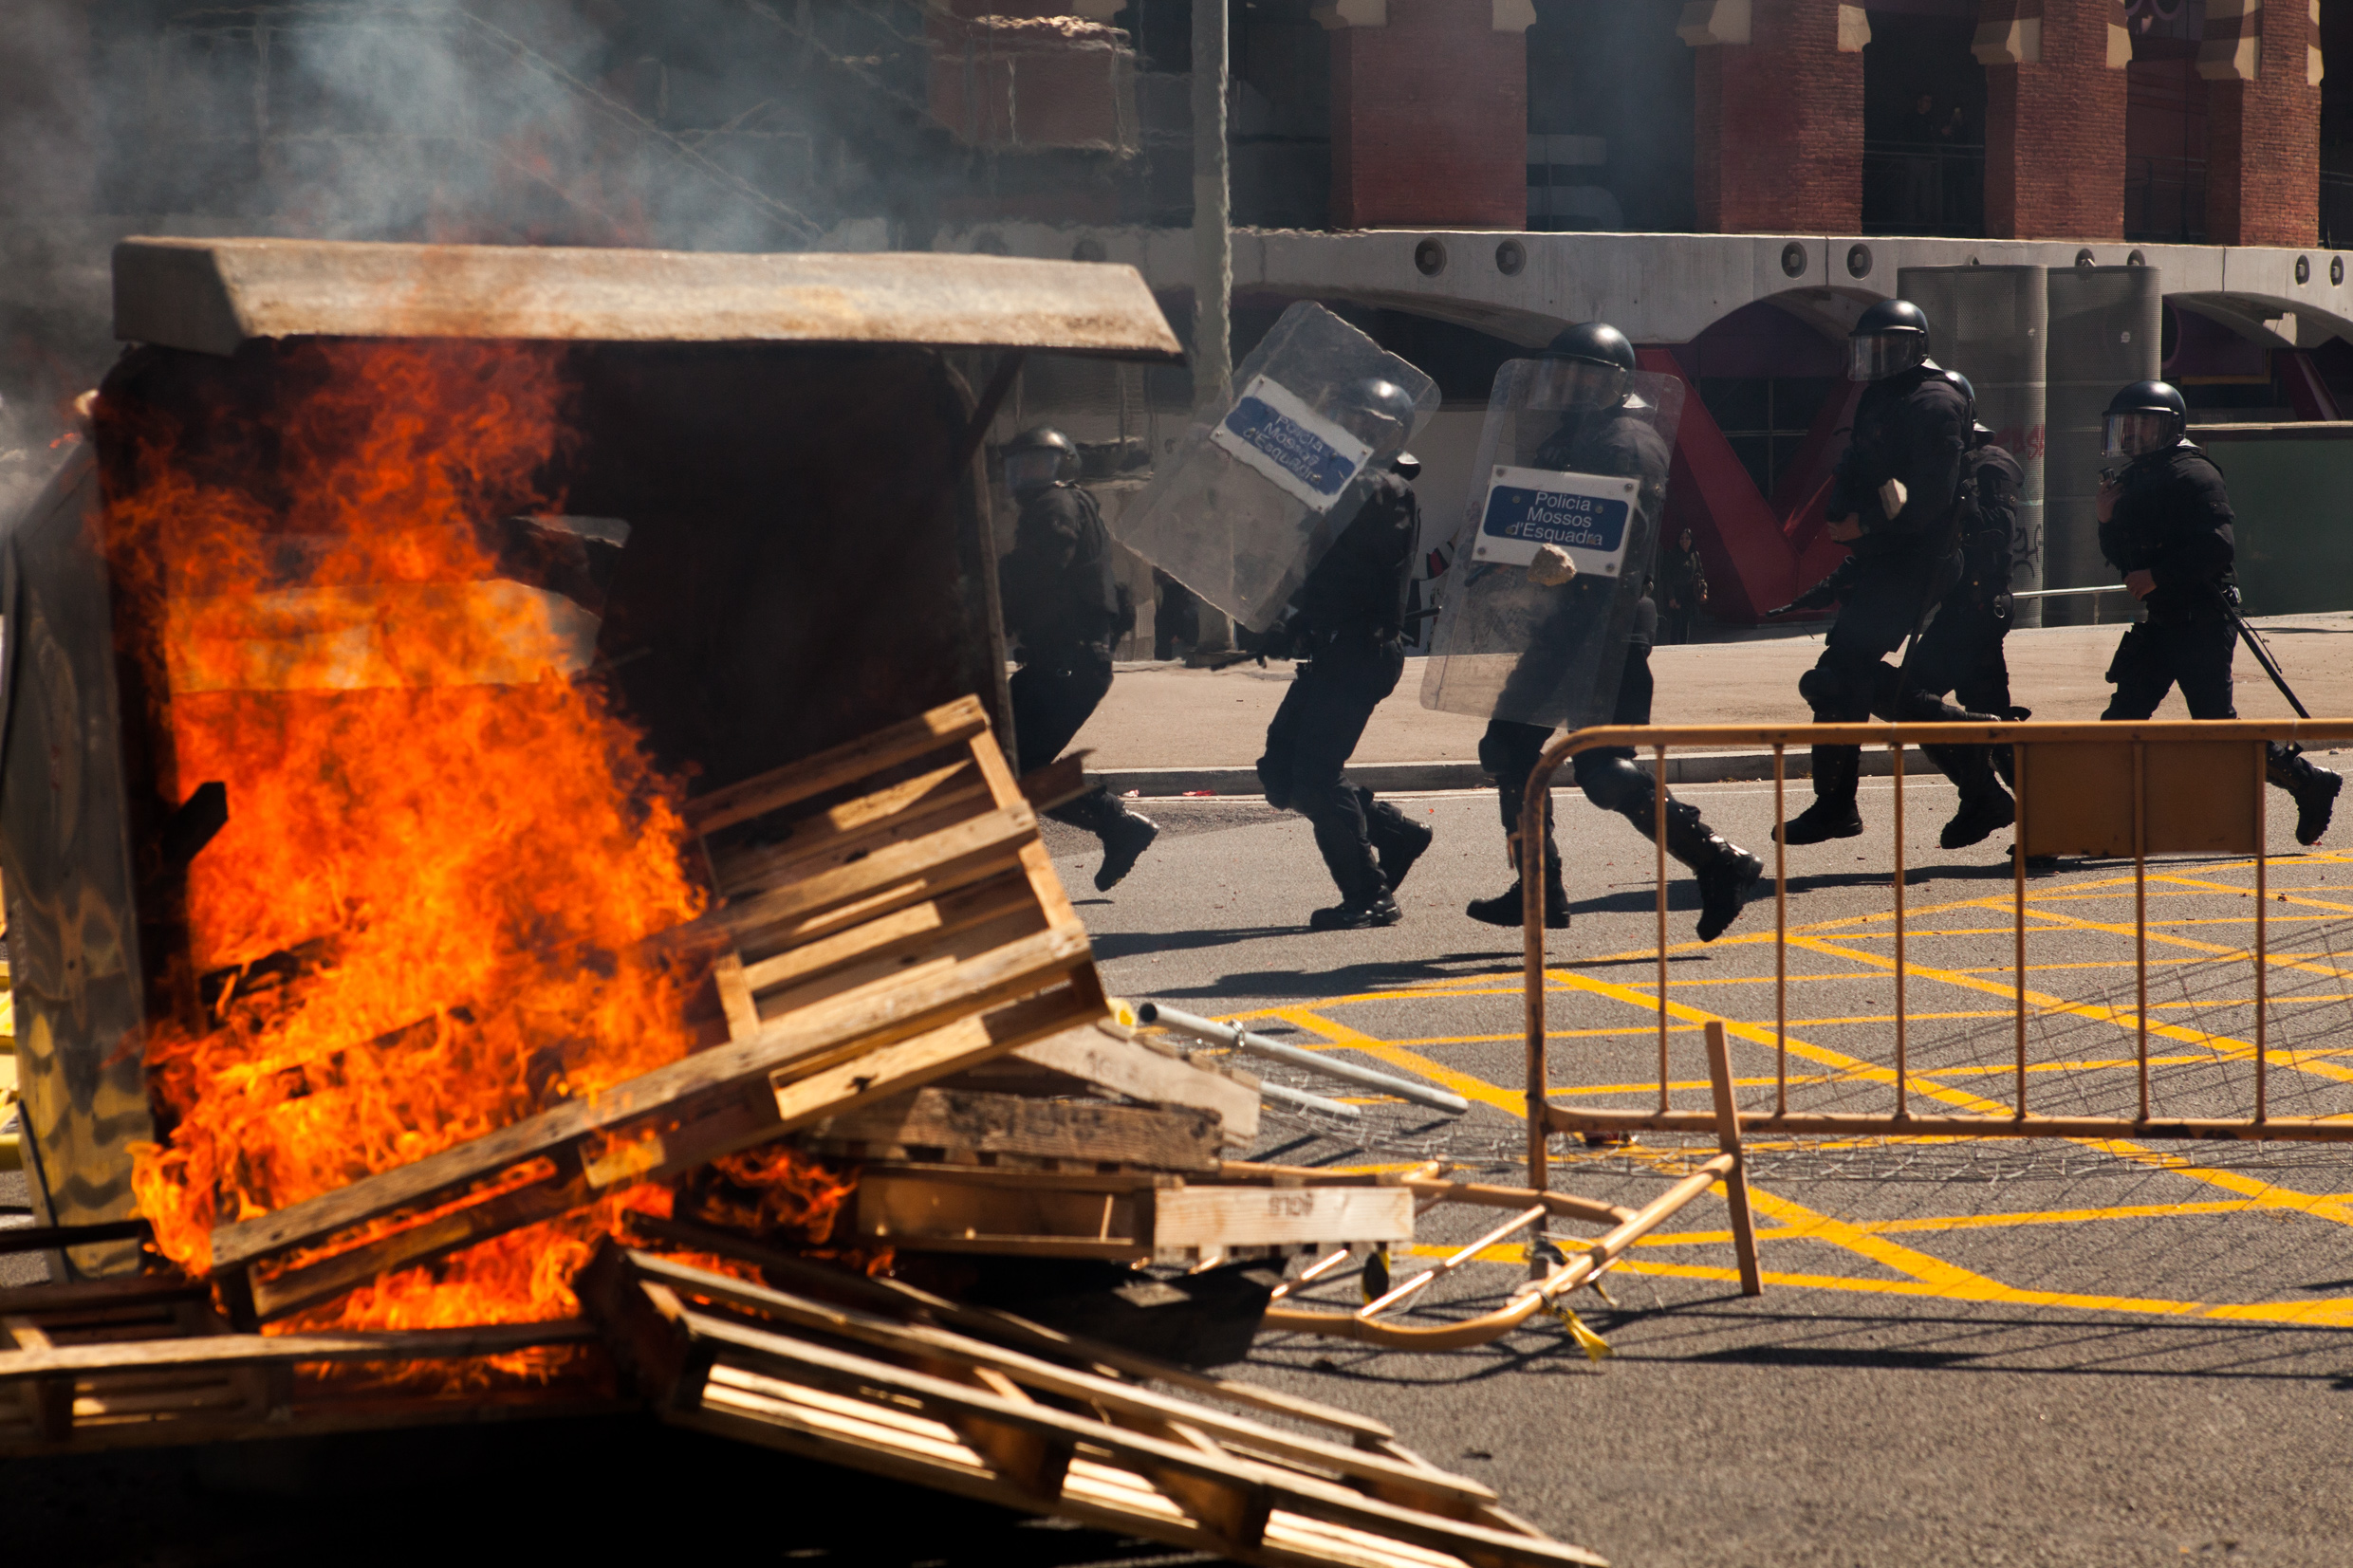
column 211, row 295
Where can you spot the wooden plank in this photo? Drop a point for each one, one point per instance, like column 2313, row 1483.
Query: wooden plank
column 927, row 1212
column 910, row 1063
column 227, row 1350
column 805, row 1043
column 942, row 861
column 745, row 873
column 906, row 961
column 743, row 1014
column 1016, row 1124
column 828, row 770
column 933, row 916
column 1035, row 862
column 1124, row 1066
column 1059, row 782
column 850, row 815
column 1213, row 1217
column 153, row 1289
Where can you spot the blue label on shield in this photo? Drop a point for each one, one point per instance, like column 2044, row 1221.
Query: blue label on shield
column 1292, row 447
column 1538, row 518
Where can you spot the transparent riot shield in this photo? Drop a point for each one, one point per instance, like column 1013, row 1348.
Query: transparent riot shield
column 1250, row 502
column 1554, row 479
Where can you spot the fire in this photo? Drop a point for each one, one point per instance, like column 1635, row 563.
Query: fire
column 423, row 918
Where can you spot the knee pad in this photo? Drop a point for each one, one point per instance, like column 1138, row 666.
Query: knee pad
column 1504, row 753
column 1610, row 781
column 1836, row 692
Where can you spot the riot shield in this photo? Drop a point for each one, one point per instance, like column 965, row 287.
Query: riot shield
column 1554, row 478
column 1250, row 502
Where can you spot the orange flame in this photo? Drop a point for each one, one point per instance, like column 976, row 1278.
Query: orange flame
column 441, row 852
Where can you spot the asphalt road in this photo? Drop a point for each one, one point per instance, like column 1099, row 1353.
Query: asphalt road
column 1987, row 1353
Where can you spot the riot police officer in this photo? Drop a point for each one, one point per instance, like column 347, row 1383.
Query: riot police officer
column 1961, row 650
column 2165, row 523
column 1345, row 625
column 1600, row 434
column 1892, row 502
column 1064, row 606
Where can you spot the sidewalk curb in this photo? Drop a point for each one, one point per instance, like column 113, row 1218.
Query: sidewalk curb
column 1409, row 778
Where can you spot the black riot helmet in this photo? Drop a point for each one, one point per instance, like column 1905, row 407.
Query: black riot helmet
column 1038, row 457
column 2144, row 417
column 1378, row 413
column 1588, row 367
column 1889, row 338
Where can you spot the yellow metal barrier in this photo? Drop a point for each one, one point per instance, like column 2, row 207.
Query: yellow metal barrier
column 2104, row 790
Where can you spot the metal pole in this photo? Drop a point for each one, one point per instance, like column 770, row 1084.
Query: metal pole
column 1239, row 1039
column 1903, row 1056
column 2018, row 908
column 1781, row 938
column 1213, row 234
column 1659, row 841
column 2263, row 959
column 2141, row 918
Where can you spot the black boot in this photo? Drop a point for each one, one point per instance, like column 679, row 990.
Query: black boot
column 1837, row 771
column 1509, row 907
column 1125, row 834
column 1986, row 807
column 1364, row 900
column 1397, row 839
column 1985, row 804
column 1357, row 915
column 1724, row 871
column 2312, row 786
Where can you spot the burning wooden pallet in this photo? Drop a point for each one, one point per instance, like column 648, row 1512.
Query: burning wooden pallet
column 889, row 1381
column 887, row 918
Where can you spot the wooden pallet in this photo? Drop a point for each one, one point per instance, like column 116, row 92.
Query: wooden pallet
column 1125, row 1216
column 887, row 917
column 142, row 1360
column 1032, row 1420
column 940, row 1126
column 1107, row 1057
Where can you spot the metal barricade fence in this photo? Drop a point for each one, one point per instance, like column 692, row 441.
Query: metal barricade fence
column 2119, row 791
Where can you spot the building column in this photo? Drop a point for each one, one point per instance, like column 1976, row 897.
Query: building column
column 1778, row 138
column 2262, row 65
column 1429, row 113
column 2054, row 117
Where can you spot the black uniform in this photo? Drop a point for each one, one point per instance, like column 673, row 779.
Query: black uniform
column 1616, row 443
column 1346, row 627
column 1913, row 426
column 1064, row 606
column 1960, row 652
column 2171, row 520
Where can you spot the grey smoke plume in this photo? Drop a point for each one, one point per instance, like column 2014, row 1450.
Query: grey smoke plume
column 702, row 124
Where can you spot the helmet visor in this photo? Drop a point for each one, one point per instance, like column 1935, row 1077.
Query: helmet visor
column 2137, row 433
column 1883, row 354
column 1578, row 385
column 1032, row 468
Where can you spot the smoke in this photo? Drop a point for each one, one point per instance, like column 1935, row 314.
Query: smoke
column 694, row 124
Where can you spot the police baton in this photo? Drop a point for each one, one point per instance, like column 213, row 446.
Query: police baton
column 2256, row 646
